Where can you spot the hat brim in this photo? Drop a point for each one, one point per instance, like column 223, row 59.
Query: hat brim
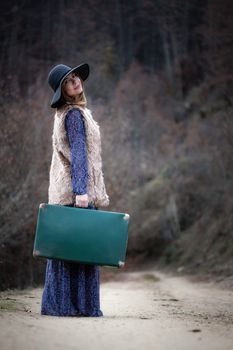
column 82, row 70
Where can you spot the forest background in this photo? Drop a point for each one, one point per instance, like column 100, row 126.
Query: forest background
column 160, row 86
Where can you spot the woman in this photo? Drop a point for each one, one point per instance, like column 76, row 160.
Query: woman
column 75, row 179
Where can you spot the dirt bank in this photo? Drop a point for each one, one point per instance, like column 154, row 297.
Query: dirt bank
column 141, row 309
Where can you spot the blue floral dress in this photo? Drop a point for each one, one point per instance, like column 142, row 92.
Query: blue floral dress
column 73, row 289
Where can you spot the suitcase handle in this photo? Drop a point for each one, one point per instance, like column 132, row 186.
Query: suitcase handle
column 90, row 206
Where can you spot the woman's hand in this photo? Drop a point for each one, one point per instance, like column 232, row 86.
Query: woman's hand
column 81, row 200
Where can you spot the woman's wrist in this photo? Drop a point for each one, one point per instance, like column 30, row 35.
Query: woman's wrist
column 81, row 200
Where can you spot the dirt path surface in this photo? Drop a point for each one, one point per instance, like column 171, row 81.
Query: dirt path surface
column 145, row 309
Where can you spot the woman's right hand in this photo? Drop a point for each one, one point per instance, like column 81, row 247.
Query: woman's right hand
column 81, row 200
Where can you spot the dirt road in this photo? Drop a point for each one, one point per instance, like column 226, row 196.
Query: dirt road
column 145, row 309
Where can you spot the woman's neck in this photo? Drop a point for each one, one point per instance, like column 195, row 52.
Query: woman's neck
column 75, row 104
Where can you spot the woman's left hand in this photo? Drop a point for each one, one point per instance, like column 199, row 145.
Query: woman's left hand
column 81, row 200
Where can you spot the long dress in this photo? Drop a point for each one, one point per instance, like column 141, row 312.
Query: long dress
column 70, row 288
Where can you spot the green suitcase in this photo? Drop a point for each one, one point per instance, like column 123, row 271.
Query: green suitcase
column 81, row 235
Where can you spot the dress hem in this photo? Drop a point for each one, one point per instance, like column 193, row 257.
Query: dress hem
column 71, row 315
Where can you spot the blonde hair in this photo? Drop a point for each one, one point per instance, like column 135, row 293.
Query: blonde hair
column 79, row 100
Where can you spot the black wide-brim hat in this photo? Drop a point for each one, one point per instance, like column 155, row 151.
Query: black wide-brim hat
column 58, row 74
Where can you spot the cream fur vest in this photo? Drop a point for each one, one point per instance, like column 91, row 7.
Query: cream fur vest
column 60, row 185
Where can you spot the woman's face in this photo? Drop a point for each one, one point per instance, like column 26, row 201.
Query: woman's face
column 72, row 85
